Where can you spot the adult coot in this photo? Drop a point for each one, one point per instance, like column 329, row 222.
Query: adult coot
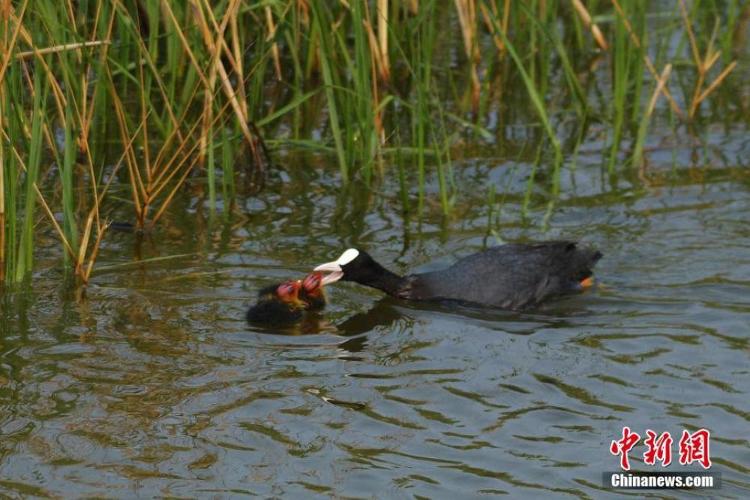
column 312, row 293
column 513, row 276
column 278, row 304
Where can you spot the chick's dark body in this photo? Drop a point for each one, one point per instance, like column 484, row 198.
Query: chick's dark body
column 270, row 309
column 315, row 301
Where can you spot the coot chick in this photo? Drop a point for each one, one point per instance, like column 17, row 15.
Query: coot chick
column 512, row 276
column 312, row 293
column 278, row 304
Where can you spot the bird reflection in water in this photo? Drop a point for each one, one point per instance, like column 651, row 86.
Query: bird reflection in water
column 382, row 316
column 394, row 315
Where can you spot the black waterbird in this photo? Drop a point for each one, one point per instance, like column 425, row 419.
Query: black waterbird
column 512, row 276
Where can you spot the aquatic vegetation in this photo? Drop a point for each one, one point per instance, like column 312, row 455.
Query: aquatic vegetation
column 148, row 95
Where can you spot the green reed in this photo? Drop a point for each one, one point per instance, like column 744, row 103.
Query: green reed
column 25, row 255
column 627, row 74
column 143, row 93
column 535, row 92
column 321, row 20
column 420, row 116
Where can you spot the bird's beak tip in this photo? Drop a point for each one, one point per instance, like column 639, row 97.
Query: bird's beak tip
column 334, row 271
column 330, row 267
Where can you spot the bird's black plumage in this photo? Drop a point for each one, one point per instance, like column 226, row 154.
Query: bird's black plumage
column 512, row 276
column 277, row 306
column 272, row 312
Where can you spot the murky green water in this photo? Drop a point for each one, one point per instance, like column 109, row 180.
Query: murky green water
column 155, row 386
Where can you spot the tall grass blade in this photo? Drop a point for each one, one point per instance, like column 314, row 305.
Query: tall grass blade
column 25, row 251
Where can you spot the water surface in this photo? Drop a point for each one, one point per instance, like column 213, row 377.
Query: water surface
column 154, row 385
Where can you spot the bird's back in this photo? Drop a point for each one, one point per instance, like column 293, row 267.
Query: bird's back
column 273, row 312
column 511, row 276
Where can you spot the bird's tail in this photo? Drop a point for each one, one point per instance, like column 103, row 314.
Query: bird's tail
column 584, row 261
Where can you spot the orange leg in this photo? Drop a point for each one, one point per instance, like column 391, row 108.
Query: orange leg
column 587, row 282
